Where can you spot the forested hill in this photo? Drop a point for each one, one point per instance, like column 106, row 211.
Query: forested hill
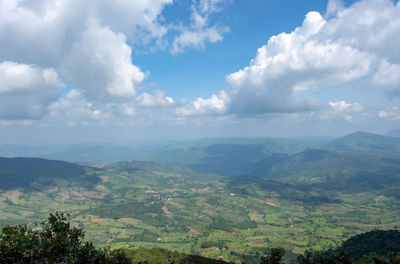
column 22, row 172
column 380, row 242
column 353, row 157
column 367, row 143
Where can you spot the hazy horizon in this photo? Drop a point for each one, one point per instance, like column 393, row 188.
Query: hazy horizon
column 36, row 138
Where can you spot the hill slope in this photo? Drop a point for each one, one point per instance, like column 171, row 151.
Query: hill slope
column 21, row 172
column 338, row 170
column 362, row 142
column 380, row 242
column 229, row 157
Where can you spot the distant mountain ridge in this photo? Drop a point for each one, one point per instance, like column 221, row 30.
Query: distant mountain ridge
column 368, row 160
column 318, row 166
column 362, row 142
column 363, row 157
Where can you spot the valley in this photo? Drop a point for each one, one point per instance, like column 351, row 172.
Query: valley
column 314, row 198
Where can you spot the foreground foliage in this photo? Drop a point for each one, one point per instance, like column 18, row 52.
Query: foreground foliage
column 379, row 242
column 163, row 256
column 337, row 256
column 56, row 241
column 53, row 241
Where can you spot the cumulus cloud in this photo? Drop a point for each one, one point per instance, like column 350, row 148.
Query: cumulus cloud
column 157, row 100
column 26, row 90
column 357, row 43
column 211, row 106
column 294, row 62
column 200, row 31
column 387, row 77
column 88, row 45
column 74, row 107
column 105, row 68
column 392, row 113
column 80, row 43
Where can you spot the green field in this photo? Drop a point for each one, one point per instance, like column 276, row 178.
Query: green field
column 143, row 204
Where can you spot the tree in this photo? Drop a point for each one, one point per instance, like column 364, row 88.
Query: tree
column 53, row 241
column 338, row 256
column 274, row 257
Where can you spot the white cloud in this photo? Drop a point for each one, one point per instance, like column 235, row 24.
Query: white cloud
column 55, row 25
column 17, row 77
column 370, row 26
column 342, row 110
column 211, row 106
column 293, row 62
column 80, row 43
column 128, row 109
column 26, row 90
column 157, row 100
column 387, row 77
column 88, row 45
column 105, row 68
column 197, row 38
column 200, row 31
column 392, row 113
column 357, row 43
column 74, row 107
column 344, row 107
column 334, row 6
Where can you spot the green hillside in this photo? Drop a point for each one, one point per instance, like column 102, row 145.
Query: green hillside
column 22, row 172
column 338, row 170
column 145, row 204
column 379, row 241
column 362, row 142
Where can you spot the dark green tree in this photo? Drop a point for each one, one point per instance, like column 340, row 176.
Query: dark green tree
column 53, row 241
column 338, row 256
column 274, row 257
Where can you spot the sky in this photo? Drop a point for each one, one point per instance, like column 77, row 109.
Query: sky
column 133, row 71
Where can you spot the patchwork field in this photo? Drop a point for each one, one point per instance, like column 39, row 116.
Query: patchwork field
column 143, row 204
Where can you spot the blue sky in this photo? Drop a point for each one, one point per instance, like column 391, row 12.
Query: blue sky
column 170, row 69
column 251, row 24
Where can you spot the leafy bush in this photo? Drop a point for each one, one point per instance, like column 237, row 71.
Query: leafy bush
column 338, row 256
column 275, row 257
column 53, row 241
